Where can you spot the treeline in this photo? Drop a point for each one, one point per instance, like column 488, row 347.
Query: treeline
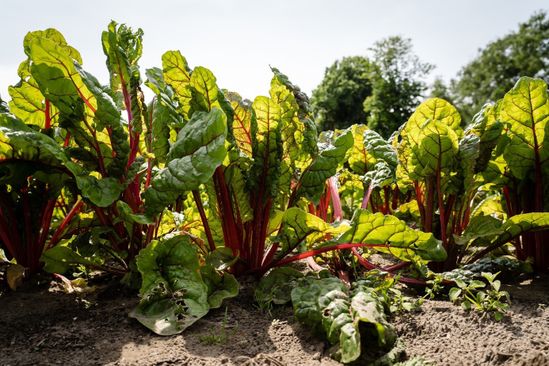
column 384, row 88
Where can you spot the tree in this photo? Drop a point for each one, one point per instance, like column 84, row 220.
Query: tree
column 382, row 91
column 501, row 63
column 439, row 89
column 337, row 101
column 397, row 86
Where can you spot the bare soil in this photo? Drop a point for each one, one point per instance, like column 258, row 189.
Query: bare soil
column 40, row 325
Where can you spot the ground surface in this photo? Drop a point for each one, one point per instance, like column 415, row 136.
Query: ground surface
column 39, row 326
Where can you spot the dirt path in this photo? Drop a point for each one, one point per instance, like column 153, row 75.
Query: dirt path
column 49, row 328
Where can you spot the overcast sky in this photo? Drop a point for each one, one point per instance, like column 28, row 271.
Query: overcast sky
column 239, row 39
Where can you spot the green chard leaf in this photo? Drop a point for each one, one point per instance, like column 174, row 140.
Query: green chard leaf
column 20, row 142
column 360, row 161
column 266, row 147
column 488, row 129
column 173, row 295
column 525, row 111
column 324, row 166
column 394, row 237
column 123, row 49
column 178, row 76
column 352, row 320
column 244, row 118
column 518, row 224
column 27, row 101
column 176, row 291
column 435, row 152
column 302, row 228
column 430, row 134
column 192, row 159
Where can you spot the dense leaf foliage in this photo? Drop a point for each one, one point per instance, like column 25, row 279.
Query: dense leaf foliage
column 499, row 65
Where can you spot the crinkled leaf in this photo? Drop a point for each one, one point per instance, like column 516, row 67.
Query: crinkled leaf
column 173, row 294
column 486, row 126
column 304, row 114
column 205, row 93
column 395, row 236
column 302, row 228
column 158, row 135
column 236, row 180
column 433, row 109
column 221, row 259
column 123, row 49
column 192, row 159
column 379, row 148
column 435, row 152
column 381, row 175
column 360, row 161
column 351, row 320
column 311, row 183
column 519, row 224
column 430, row 118
column 178, row 75
column 267, row 147
column 20, row 142
column 480, row 227
column 221, row 285
column 101, row 192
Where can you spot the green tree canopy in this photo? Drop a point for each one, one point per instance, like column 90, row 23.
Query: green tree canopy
column 501, row 63
column 439, row 89
column 337, row 101
column 398, row 85
column 382, row 91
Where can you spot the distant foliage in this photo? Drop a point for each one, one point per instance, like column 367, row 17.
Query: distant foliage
column 382, row 91
column 501, row 63
column 397, row 86
column 337, row 101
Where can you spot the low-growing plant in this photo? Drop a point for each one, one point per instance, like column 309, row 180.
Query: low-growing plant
column 177, row 289
column 219, row 335
column 474, row 294
column 353, row 318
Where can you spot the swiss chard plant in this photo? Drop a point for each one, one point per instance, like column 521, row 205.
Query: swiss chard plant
column 32, row 176
column 107, row 143
column 265, row 161
column 451, row 176
column 523, row 161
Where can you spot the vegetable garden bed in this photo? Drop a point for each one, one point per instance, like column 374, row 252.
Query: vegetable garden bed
column 42, row 325
column 189, row 195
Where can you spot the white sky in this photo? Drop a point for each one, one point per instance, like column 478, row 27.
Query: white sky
column 239, row 39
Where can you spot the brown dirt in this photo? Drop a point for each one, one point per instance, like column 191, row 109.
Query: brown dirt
column 444, row 334
column 42, row 326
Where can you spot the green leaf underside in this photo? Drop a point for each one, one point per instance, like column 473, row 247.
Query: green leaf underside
column 352, row 320
column 176, row 291
column 525, row 110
